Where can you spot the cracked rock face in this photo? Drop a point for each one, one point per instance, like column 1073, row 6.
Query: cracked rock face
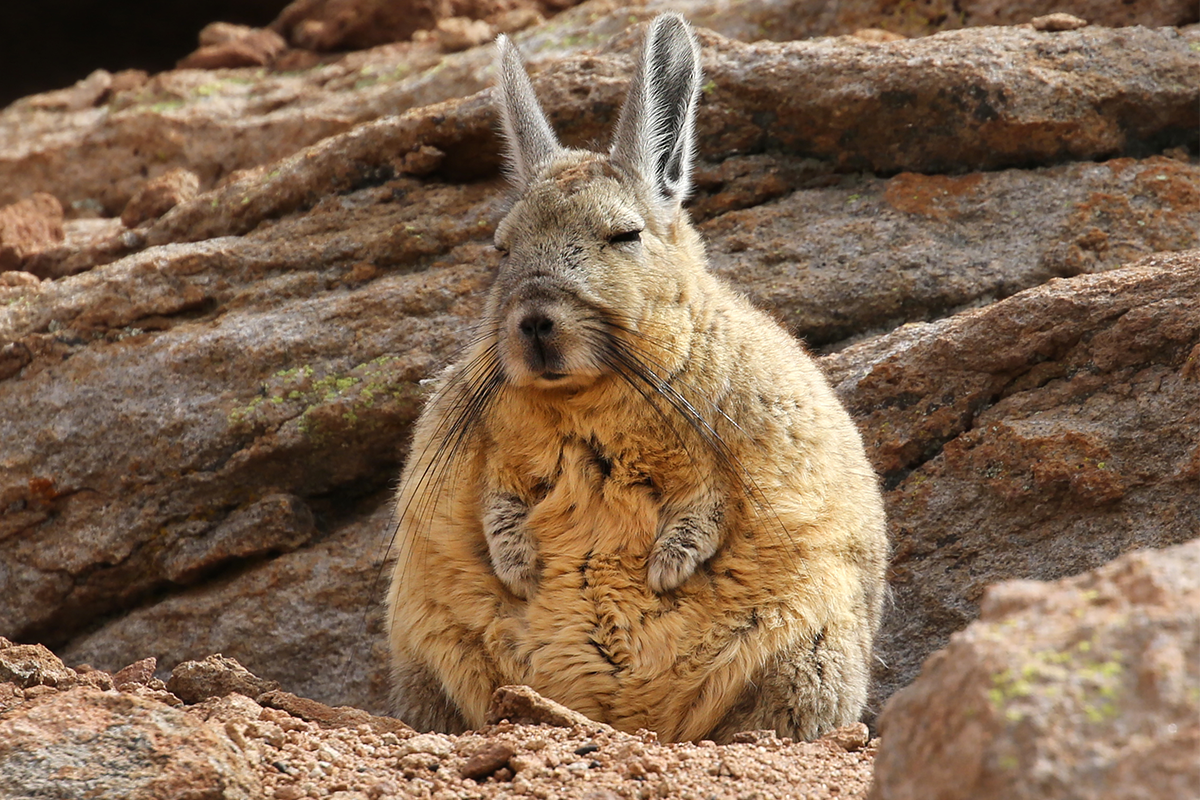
column 990, row 233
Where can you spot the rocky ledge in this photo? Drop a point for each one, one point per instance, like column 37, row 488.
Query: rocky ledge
column 221, row 287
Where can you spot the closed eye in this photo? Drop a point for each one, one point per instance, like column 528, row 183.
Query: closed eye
column 625, row 236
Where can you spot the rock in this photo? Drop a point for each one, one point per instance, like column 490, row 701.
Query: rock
column 487, row 760
column 1152, row 13
column 215, row 676
column 872, row 253
column 227, row 46
column 307, row 619
column 27, row 665
column 85, row 742
column 28, row 227
column 87, row 243
column 91, row 91
column 780, row 20
column 355, row 24
column 961, row 101
column 160, row 195
column 1036, row 437
column 139, row 673
column 327, row 717
column 213, row 406
column 1057, row 22
column 460, row 33
column 1086, row 687
column 524, row 706
column 850, row 738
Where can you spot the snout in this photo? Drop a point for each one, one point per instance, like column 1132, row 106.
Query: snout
column 538, row 329
column 549, row 339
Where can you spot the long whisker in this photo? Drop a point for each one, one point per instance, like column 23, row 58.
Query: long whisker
column 476, row 385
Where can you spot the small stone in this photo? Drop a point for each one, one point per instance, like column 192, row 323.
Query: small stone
column 227, row 46
column 139, row 673
column 215, row 676
column 330, row 716
column 517, row 19
column 29, row 665
column 1057, row 22
column 850, row 738
column 522, row 705
column 877, row 35
column 462, row 33
column 487, row 760
column 434, row 744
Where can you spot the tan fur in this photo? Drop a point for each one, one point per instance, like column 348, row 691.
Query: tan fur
column 772, row 630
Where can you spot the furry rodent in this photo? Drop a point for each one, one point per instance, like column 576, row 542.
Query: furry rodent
column 633, row 492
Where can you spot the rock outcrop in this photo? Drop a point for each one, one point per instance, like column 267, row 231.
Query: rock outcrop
column 213, row 340
column 1036, row 437
column 1083, row 688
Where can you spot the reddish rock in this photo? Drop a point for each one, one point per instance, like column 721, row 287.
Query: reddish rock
column 160, row 195
column 86, row 742
column 329, row 717
column 27, row 665
column 970, row 100
column 522, row 705
column 1076, row 689
column 1036, row 437
column 27, row 227
column 487, row 760
column 1057, row 22
column 356, row 24
column 227, row 46
column 139, row 673
column 1151, row 13
column 461, row 33
column 215, row 676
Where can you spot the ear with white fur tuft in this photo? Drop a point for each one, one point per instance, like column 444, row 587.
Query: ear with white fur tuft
column 656, row 135
column 528, row 135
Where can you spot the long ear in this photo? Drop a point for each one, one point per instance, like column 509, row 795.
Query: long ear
column 529, row 138
column 656, row 135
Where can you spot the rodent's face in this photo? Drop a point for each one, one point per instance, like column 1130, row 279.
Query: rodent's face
column 585, row 260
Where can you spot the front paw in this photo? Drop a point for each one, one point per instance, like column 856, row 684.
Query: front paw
column 513, row 551
column 517, row 571
column 672, row 561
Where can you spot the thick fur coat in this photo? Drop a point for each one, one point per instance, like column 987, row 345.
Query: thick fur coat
column 634, row 492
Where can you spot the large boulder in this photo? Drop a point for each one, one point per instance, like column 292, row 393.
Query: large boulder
column 208, row 411
column 1036, row 437
column 1082, row 688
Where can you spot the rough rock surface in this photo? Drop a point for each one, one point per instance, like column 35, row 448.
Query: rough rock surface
column 1035, row 437
column 226, row 46
column 1084, row 688
column 1000, row 97
column 124, row 743
column 340, row 24
column 29, row 227
column 160, row 195
column 201, row 418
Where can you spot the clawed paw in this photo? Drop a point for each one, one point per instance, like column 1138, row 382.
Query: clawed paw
column 671, row 563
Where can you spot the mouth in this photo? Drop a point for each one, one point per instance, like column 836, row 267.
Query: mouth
column 552, row 376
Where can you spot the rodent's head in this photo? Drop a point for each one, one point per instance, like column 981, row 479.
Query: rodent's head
column 596, row 244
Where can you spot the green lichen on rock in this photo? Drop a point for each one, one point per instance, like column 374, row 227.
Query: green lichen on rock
column 298, row 394
column 1071, row 678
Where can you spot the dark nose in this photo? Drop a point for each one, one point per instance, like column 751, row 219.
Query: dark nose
column 536, row 325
